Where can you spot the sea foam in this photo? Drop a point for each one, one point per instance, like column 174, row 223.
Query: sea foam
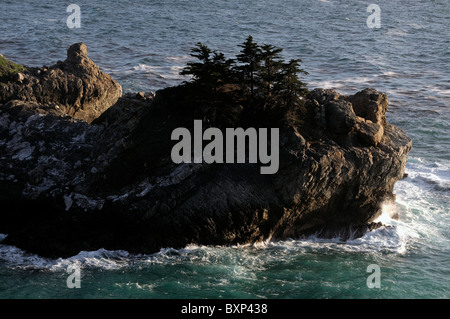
column 419, row 217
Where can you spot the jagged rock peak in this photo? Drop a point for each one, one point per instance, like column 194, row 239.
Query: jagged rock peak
column 77, row 51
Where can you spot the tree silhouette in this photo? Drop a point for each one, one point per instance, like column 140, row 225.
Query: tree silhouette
column 270, row 68
column 250, row 59
column 199, row 70
column 258, row 81
column 290, row 86
column 221, row 70
column 212, row 70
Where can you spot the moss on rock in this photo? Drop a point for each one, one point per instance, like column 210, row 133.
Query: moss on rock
column 8, row 69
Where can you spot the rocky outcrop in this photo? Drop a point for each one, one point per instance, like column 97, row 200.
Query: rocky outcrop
column 75, row 87
column 67, row 185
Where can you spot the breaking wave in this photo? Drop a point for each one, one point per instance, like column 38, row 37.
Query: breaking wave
column 391, row 239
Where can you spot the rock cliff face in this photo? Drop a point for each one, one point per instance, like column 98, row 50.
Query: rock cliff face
column 75, row 87
column 90, row 175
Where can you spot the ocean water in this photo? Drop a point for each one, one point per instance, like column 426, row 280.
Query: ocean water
column 145, row 44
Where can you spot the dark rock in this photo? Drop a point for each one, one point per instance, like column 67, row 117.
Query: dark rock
column 37, row 175
column 149, row 95
column 77, row 84
column 18, row 77
column 144, row 96
column 76, row 53
column 324, row 96
column 371, row 105
column 340, row 117
column 66, row 185
column 370, row 133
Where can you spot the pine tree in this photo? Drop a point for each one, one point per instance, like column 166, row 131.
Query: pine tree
column 270, row 68
column 221, row 70
column 250, row 59
column 199, row 70
column 271, row 87
column 290, row 86
column 212, row 70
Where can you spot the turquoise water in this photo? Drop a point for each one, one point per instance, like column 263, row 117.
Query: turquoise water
column 144, row 45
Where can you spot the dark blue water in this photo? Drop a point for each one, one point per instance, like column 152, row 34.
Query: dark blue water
column 145, row 44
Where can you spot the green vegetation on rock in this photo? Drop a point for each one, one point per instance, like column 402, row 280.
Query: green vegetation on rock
column 8, row 69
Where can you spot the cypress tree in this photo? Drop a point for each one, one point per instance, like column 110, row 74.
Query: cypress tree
column 250, row 59
column 199, row 70
column 270, row 68
column 290, row 86
column 212, row 70
column 271, row 87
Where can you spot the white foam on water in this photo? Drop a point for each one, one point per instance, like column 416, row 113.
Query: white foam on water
column 245, row 259
column 348, row 85
column 102, row 258
column 147, row 68
column 421, row 219
column 170, row 72
column 155, row 72
column 390, row 74
column 390, row 239
column 136, row 285
column 325, row 84
column 424, row 200
column 428, row 176
column 16, row 258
